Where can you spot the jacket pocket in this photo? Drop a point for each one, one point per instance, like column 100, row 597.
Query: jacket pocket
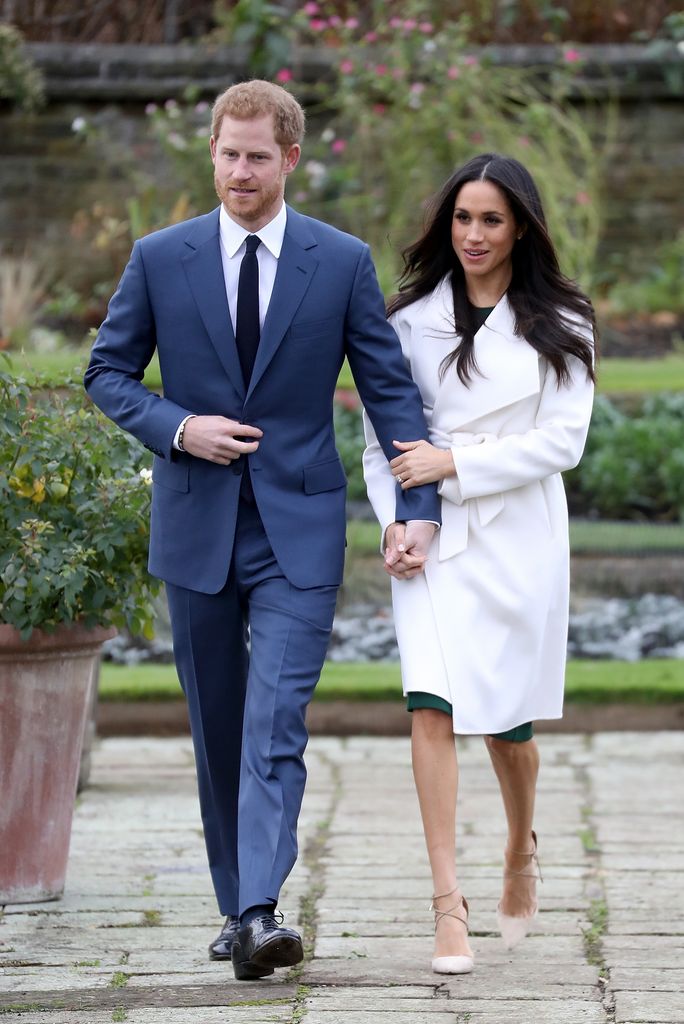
column 174, row 475
column 324, row 476
column 314, row 328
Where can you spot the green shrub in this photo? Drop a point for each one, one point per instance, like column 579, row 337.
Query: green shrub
column 660, row 288
column 74, row 502
column 633, row 465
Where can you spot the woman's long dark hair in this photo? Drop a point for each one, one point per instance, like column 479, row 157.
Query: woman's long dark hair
column 546, row 304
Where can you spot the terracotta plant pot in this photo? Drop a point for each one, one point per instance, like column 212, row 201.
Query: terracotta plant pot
column 45, row 688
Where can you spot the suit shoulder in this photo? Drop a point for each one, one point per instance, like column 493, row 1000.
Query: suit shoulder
column 326, row 234
column 175, row 234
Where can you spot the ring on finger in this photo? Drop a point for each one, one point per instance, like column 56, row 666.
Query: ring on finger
column 400, row 478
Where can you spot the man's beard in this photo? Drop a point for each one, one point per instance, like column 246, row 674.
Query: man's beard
column 261, row 201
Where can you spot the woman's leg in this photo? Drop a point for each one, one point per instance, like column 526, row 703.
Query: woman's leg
column 517, row 767
column 435, row 770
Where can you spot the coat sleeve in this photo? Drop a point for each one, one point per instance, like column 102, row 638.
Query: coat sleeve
column 553, row 445
column 389, row 395
column 123, row 348
column 380, row 483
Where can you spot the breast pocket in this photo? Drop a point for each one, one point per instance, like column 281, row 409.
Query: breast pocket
column 310, row 330
column 174, row 475
column 324, row 476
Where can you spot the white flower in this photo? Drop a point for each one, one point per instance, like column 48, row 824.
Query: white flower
column 328, row 135
column 79, row 124
column 176, row 140
column 146, row 476
column 317, row 172
column 429, row 46
column 680, row 46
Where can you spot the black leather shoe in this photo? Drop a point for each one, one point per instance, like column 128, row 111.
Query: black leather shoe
column 265, row 945
column 221, row 948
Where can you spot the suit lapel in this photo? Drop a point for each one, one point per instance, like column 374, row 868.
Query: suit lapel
column 296, row 267
column 204, row 269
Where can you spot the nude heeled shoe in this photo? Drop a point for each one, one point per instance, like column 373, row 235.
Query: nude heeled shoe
column 514, row 929
column 452, row 964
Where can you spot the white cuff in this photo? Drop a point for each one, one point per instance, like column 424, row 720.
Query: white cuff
column 178, row 433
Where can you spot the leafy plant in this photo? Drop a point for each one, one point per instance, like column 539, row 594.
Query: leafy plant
column 409, row 100
column 633, row 466
column 259, row 26
column 21, row 286
column 660, row 287
column 20, row 81
column 74, row 500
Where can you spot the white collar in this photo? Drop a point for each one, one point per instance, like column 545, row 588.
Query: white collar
column 271, row 234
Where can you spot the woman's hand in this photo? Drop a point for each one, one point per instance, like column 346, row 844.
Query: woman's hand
column 421, row 463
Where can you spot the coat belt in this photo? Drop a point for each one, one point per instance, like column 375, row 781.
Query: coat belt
column 453, row 536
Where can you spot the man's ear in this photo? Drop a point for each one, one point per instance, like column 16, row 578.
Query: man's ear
column 212, row 149
column 291, row 158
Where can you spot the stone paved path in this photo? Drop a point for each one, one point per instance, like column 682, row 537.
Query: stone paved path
column 128, row 940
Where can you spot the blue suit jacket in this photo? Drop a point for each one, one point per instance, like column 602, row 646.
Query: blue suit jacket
column 326, row 305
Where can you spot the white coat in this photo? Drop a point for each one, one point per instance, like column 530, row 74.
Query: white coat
column 485, row 626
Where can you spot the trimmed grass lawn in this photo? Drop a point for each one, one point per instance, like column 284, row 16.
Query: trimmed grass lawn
column 586, row 537
column 616, row 376
column 588, row 682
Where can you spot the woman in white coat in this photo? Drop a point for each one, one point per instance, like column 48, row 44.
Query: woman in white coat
column 501, row 345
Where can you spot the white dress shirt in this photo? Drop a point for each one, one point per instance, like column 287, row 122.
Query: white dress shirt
column 232, row 238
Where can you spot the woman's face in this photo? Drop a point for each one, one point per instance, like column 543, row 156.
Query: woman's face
column 483, row 233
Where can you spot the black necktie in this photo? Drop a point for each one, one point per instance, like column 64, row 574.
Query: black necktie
column 247, row 328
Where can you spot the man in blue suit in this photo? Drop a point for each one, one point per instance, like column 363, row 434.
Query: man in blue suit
column 252, row 309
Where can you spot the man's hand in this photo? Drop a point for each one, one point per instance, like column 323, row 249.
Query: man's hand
column 218, row 439
column 421, row 463
column 402, row 561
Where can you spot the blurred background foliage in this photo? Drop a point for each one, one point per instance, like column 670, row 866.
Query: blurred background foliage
column 490, row 21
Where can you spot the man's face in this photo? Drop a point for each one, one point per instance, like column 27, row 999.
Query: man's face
column 250, row 169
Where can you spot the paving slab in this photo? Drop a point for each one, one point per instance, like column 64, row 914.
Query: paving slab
column 128, row 940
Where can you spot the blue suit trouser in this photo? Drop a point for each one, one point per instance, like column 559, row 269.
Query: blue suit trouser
column 249, row 659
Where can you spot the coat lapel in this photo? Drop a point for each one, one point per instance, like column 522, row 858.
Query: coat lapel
column 204, row 269
column 508, row 372
column 296, row 267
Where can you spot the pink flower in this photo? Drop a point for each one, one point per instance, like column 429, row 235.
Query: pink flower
column 471, row 61
column 523, row 140
column 318, row 24
column 582, row 198
column 339, row 146
column 352, row 23
column 284, row 75
column 410, row 24
column 396, row 23
column 150, row 109
column 380, row 69
column 346, row 67
column 477, row 138
column 427, row 27
column 398, row 73
column 311, row 8
column 453, row 72
column 335, row 21
column 571, row 56
column 379, row 108
column 301, row 196
column 371, row 37
column 417, row 88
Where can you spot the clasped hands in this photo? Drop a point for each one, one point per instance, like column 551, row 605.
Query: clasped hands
column 406, row 546
column 219, row 439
